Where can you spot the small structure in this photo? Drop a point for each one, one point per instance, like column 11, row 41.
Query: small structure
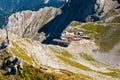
column 43, row 68
column 67, row 38
column 62, row 42
column 86, row 37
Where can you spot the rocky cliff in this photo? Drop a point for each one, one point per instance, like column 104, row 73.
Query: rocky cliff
column 27, row 23
column 97, row 58
column 49, row 23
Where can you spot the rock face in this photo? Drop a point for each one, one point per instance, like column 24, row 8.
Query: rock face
column 21, row 5
column 27, row 23
column 49, row 24
column 107, row 5
column 99, row 5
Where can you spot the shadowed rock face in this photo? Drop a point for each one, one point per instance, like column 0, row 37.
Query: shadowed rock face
column 27, row 23
column 76, row 10
column 53, row 25
column 8, row 7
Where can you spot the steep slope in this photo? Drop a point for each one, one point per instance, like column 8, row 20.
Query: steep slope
column 97, row 58
column 57, row 59
column 61, row 20
column 27, row 23
column 81, row 11
column 21, row 5
column 107, row 5
column 106, row 37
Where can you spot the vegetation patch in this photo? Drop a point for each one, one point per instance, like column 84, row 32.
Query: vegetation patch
column 75, row 23
column 116, row 20
column 28, row 40
column 102, row 35
column 20, row 53
column 73, row 63
column 31, row 73
column 75, row 76
column 61, row 51
column 116, row 72
column 87, row 57
column 112, row 74
column 97, row 30
column 111, row 13
column 91, row 60
column 3, row 76
column 66, row 53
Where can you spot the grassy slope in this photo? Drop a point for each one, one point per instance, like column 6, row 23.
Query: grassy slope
column 98, row 33
column 31, row 73
column 34, row 73
column 105, row 39
column 101, row 34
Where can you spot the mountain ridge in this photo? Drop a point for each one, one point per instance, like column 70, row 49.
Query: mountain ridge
column 31, row 35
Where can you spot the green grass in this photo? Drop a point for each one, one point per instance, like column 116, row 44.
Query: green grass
column 111, row 13
column 61, row 51
column 92, row 60
column 2, row 76
column 75, row 23
column 20, row 52
column 29, row 40
column 75, row 76
column 87, row 57
column 31, row 73
column 112, row 74
column 116, row 20
column 99, row 34
column 73, row 63
column 91, row 28
column 66, row 53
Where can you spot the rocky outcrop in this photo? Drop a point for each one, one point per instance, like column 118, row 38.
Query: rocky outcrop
column 106, row 5
column 47, row 23
column 79, row 56
column 11, row 64
column 27, row 23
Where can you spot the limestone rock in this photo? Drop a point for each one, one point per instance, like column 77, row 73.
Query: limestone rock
column 27, row 23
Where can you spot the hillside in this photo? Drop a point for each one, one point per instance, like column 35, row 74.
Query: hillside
column 29, row 22
column 57, row 59
column 21, row 5
column 31, row 53
column 91, row 11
